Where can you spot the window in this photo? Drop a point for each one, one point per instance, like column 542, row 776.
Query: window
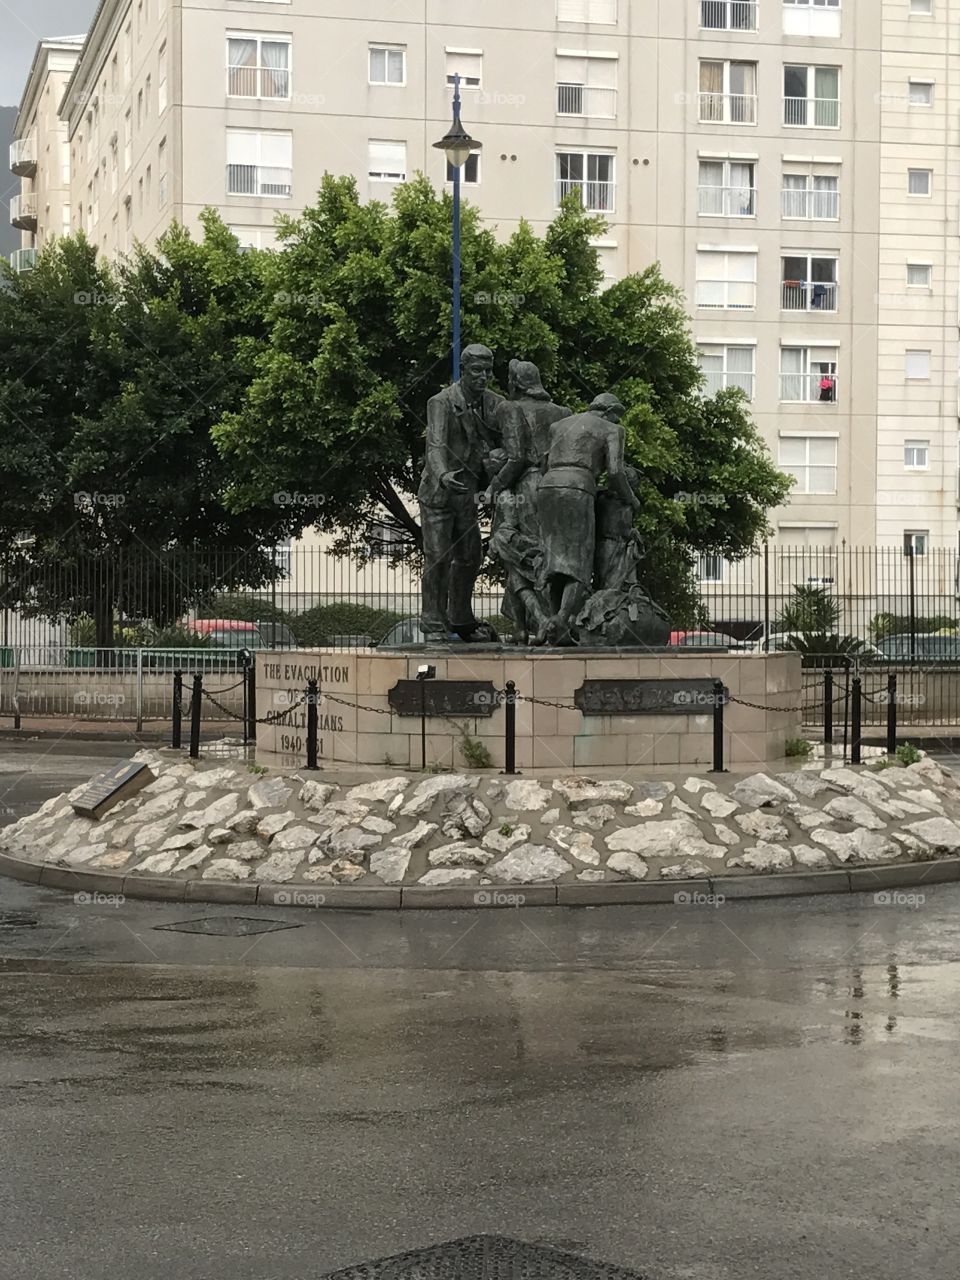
column 811, row 17
column 148, row 184
column 919, row 182
column 590, row 173
column 728, row 15
column 127, row 141
column 256, row 237
column 710, row 568
column 387, row 161
column 586, row 86
column 727, row 366
column 115, row 73
column 259, row 164
column 726, row 280
column 811, row 195
column 388, row 64
column 587, row 11
column 139, row 108
column 917, row 366
column 162, row 173
column 469, row 173
column 127, row 53
column 919, row 275
column 65, row 163
column 728, row 92
column 147, row 95
column 162, row 79
column 808, row 375
column 139, row 195
column 727, row 189
column 114, row 165
column 808, row 283
column 468, row 65
column 811, row 97
column 915, row 542
column 258, row 66
column 921, row 7
column 812, row 461
column 921, row 93
column 916, row 455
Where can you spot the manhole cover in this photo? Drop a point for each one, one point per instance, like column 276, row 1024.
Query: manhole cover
column 228, row 926
column 484, row 1258
column 17, row 920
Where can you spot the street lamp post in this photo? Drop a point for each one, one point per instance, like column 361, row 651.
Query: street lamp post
column 457, row 145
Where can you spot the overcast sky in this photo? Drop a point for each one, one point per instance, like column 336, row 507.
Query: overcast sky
column 23, row 23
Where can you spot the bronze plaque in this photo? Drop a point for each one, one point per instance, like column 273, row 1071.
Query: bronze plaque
column 645, row 697
column 108, row 789
column 444, row 697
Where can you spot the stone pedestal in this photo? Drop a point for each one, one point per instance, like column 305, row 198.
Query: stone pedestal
column 358, row 724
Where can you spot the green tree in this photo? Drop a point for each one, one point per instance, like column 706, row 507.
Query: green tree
column 358, row 332
column 110, row 381
column 810, row 609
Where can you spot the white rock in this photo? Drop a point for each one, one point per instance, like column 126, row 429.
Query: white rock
column 654, row 839
column 689, row 870
column 298, row 838
column 808, row 818
column 318, row 875
column 213, row 778
column 857, row 846
column 274, row 822
column 579, row 792
column 150, row 834
column 804, row 783
column 529, row 864
column 696, row 785
column 807, row 856
column 83, row 854
column 501, row 843
column 759, row 790
column 628, row 864
column 160, row 806
column 852, row 809
column 763, row 857
column 115, row 858
column 182, row 840
column 217, row 813
column 459, row 854
column 926, row 798
column 194, row 859
column 244, row 822
column 159, row 863
column 444, row 877
column 315, row 794
column 247, row 851
column 428, row 791
column 899, row 808
column 718, row 806
column 381, row 792
column 464, row 816
column 577, row 843
column 269, row 793
column 933, row 772
column 349, row 841
column 220, row 835
column 653, row 790
column 395, row 805
column 911, row 845
column 644, row 809
column 941, row 834
column 346, row 872
column 195, row 798
column 527, row 795
column 680, row 806
column 415, row 837
column 595, row 817
column 494, row 790
column 765, row 826
column 381, row 826
column 550, row 816
column 725, row 835
column 390, row 864
column 591, row 875
column 281, row 866
column 864, row 785
column 226, row 869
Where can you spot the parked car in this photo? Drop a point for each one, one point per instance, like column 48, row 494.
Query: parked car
column 709, row 640
column 228, row 633
column 276, row 635
column 925, row 648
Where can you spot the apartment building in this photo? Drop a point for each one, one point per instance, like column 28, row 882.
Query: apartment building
column 791, row 164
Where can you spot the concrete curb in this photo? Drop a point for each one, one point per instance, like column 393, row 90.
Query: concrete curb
column 906, row 875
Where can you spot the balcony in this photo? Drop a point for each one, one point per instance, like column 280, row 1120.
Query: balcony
column 23, row 157
column 728, row 108
column 23, row 260
column 23, row 212
column 812, row 113
column 812, row 205
column 728, row 15
column 259, row 180
column 727, row 202
column 586, row 100
column 597, row 197
column 808, row 295
column 808, row 388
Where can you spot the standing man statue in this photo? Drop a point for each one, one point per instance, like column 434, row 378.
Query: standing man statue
column 525, row 421
column 582, row 448
column 463, row 454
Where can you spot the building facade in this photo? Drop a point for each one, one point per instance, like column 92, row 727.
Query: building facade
column 790, row 163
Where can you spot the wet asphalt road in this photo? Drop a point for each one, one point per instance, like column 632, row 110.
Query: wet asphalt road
column 701, row 1093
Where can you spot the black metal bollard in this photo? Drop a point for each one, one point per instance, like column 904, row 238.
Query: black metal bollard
column 250, row 731
column 828, row 708
column 856, row 731
column 891, row 715
column 510, row 729
column 312, row 697
column 195, row 702
column 177, row 739
column 719, row 699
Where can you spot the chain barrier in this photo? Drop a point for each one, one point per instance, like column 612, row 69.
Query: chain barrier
column 345, row 702
column 272, row 717
column 759, row 706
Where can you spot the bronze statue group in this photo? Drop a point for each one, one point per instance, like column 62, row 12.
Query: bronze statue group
column 566, row 541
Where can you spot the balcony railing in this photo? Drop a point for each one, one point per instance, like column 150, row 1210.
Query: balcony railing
column 807, row 295
column 812, row 113
column 23, row 157
column 23, row 212
column 728, row 15
column 598, row 197
column 808, row 388
column 727, row 202
column 818, row 205
column 586, row 100
column 258, row 82
column 728, row 108
column 23, row 259
column 715, row 380
column 258, row 180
